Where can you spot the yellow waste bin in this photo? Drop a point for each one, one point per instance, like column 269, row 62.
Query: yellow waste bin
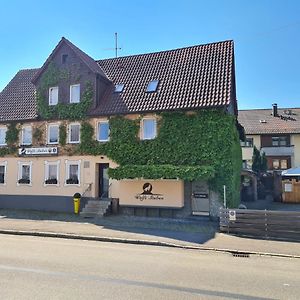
column 76, row 199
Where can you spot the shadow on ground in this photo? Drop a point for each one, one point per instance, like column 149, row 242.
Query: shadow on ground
column 193, row 230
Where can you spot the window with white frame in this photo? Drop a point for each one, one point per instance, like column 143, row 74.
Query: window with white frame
column 74, row 133
column 26, row 135
column 3, row 136
column 24, row 174
column 51, row 172
column 103, row 131
column 53, row 133
column 148, row 130
column 53, row 95
column 73, row 172
column 3, row 172
column 75, row 93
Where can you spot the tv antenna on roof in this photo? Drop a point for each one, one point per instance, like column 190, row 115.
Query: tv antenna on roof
column 116, row 44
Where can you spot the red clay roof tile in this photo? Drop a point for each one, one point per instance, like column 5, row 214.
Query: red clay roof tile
column 189, row 78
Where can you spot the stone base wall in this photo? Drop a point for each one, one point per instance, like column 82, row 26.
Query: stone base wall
column 41, row 203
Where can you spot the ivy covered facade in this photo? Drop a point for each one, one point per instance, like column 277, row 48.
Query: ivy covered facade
column 156, row 131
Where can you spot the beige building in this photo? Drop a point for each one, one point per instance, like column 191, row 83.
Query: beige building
column 276, row 132
column 100, row 128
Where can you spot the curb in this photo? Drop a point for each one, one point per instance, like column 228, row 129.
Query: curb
column 142, row 242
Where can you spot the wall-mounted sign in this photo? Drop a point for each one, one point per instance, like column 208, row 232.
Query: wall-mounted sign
column 147, row 193
column 288, row 187
column 232, row 215
column 200, row 195
column 38, row 151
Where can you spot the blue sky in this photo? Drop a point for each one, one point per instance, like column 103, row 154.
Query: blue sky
column 266, row 35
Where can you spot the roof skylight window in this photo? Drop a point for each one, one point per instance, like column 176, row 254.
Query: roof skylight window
column 152, row 86
column 119, row 87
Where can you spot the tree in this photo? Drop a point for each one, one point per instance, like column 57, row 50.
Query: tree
column 264, row 162
column 256, row 160
column 259, row 161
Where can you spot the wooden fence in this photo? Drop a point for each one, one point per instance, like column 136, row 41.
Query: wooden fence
column 283, row 225
column 291, row 191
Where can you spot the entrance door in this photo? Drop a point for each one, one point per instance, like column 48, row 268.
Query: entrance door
column 103, row 180
column 200, row 198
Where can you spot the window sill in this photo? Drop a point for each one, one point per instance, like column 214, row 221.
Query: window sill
column 24, row 184
column 51, row 184
column 103, row 141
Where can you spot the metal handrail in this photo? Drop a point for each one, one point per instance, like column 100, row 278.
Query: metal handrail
column 87, row 189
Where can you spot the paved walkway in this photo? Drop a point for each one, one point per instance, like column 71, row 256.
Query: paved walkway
column 199, row 233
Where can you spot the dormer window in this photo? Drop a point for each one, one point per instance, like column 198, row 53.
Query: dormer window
column 119, row 88
column 53, row 95
column 152, row 86
column 75, row 93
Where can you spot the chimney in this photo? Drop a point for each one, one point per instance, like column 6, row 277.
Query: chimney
column 275, row 111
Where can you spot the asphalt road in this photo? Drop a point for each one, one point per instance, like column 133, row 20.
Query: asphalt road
column 45, row 268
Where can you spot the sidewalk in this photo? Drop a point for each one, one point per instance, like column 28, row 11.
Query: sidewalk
column 188, row 233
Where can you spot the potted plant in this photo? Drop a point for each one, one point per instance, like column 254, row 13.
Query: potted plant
column 23, row 181
column 51, row 181
column 72, row 180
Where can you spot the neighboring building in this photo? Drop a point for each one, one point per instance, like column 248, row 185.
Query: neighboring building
column 274, row 131
column 146, row 129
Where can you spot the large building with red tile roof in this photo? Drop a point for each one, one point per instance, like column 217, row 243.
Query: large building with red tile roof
column 46, row 108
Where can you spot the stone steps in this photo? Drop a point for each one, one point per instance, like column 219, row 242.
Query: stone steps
column 96, row 208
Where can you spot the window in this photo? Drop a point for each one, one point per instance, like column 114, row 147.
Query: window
column 64, row 58
column 103, row 131
column 247, row 143
column 119, row 88
column 3, row 136
column 51, row 172
column 283, row 164
column 74, row 133
column 280, row 164
column 53, row 95
column 3, row 173
column 53, row 132
column 275, row 163
column 73, row 172
column 24, row 174
column 75, row 93
column 152, row 86
column 279, row 141
column 26, row 135
column 148, row 131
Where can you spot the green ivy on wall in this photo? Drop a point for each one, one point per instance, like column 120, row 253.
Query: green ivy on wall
column 11, row 139
column 62, row 134
column 71, row 111
column 204, row 146
column 12, row 134
column 37, row 135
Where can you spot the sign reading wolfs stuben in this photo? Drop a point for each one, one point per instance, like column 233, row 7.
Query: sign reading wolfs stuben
column 147, row 193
